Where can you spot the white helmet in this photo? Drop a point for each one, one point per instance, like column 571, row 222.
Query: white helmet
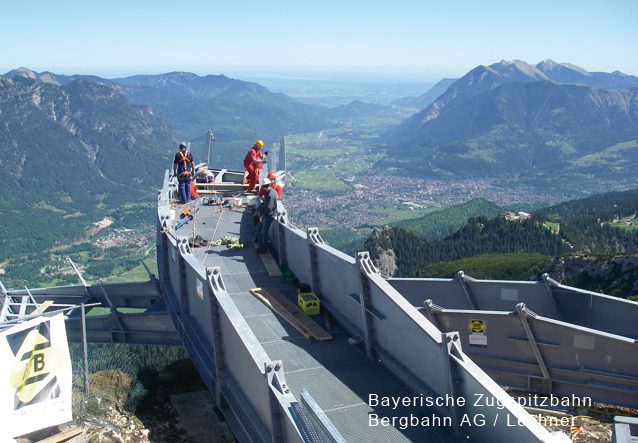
column 266, row 182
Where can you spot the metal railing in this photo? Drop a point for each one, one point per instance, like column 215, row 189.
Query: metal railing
column 538, row 336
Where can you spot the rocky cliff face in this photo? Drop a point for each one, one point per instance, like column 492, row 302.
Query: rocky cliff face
column 614, row 275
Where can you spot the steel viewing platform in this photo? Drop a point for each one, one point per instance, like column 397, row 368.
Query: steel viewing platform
column 404, row 339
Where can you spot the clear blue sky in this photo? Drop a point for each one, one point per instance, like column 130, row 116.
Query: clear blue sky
column 430, row 38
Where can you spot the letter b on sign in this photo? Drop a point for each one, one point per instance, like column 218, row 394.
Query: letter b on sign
column 38, row 362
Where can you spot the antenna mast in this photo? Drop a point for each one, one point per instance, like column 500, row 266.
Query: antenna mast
column 211, row 139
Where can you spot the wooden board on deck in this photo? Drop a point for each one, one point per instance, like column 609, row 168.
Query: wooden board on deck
column 43, row 306
column 278, row 302
column 62, row 436
column 271, row 266
column 221, row 185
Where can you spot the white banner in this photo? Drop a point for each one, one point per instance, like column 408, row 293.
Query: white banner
column 35, row 376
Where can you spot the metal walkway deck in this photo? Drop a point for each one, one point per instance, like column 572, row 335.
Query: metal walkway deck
column 271, row 383
column 274, row 385
column 337, row 375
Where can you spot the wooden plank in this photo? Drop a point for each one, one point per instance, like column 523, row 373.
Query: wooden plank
column 221, row 185
column 291, row 313
column 62, row 436
column 281, row 311
column 39, row 310
column 271, row 266
column 44, row 306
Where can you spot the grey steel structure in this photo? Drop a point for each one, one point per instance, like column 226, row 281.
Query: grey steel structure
column 149, row 324
column 625, row 430
column 273, row 384
column 538, row 336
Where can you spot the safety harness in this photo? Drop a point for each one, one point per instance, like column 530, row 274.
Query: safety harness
column 184, row 164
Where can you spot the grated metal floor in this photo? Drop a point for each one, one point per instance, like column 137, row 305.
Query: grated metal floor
column 338, row 376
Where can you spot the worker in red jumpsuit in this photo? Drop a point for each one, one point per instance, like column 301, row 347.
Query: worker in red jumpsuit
column 253, row 164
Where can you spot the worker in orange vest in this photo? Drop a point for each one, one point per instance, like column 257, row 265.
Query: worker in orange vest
column 274, row 185
column 183, row 169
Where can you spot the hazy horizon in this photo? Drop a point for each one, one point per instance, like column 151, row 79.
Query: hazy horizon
column 359, row 74
column 408, row 39
column 289, row 73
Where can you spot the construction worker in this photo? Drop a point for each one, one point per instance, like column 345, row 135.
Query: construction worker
column 267, row 212
column 183, row 169
column 273, row 184
column 204, row 175
column 194, row 193
column 253, row 163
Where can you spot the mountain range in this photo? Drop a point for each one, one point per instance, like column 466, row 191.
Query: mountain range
column 599, row 224
column 424, row 100
column 238, row 111
column 69, row 150
column 548, row 118
column 74, row 147
column 83, row 140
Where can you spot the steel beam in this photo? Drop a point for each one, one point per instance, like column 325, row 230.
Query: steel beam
column 314, row 238
column 429, row 308
column 278, row 389
column 523, row 312
column 461, row 278
column 366, row 268
column 215, row 284
column 324, row 429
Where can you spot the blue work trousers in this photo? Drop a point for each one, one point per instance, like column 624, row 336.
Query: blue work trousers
column 185, row 189
column 262, row 232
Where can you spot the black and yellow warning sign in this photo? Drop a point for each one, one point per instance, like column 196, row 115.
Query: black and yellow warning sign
column 35, row 376
column 478, row 333
column 477, row 326
column 36, row 363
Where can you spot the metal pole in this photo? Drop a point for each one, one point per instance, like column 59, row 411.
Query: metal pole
column 468, row 294
column 85, row 354
column 77, row 271
column 366, row 268
column 211, row 139
column 522, row 314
